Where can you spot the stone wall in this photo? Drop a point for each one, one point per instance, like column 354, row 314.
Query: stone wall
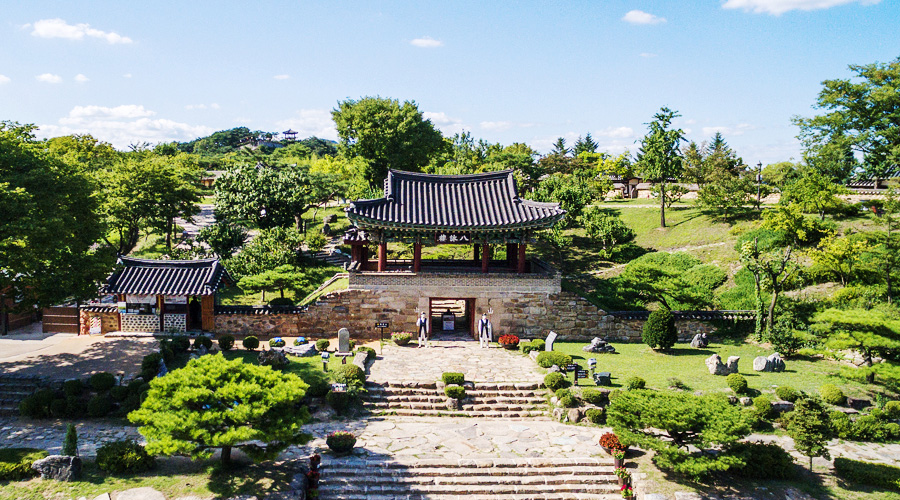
column 109, row 321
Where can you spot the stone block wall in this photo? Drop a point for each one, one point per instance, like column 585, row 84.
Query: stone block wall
column 109, row 321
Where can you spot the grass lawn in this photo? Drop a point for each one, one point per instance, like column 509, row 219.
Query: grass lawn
column 687, row 365
column 173, row 476
column 338, row 284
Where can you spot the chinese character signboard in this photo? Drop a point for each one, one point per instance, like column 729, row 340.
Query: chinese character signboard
column 452, row 238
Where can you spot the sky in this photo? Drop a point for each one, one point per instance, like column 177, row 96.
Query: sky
column 523, row 71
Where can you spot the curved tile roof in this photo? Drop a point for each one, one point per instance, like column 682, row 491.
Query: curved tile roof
column 166, row 277
column 452, row 202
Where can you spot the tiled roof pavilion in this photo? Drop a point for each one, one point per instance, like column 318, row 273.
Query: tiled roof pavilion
column 166, row 277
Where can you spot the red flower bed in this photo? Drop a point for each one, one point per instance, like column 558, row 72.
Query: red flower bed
column 508, row 340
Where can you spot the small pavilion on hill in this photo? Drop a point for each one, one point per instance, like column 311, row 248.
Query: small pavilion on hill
column 480, row 210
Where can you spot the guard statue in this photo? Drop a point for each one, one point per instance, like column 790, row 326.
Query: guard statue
column 422, row 326
column 485, row 331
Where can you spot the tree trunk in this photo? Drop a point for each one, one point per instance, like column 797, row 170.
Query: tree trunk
column 662, row 204
column 759, row 309
column 771, row 316
column 169, row 224
column 4, row 326
column 282, row 293
column 264, row 296
column 226, row 455
column 298, row 222
column 890, row 288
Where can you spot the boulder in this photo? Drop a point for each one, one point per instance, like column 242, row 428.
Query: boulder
column 275, row 359
column 715, row 365
column 733, row 400
column 762, row 364
column 699, row 341
column 559, row 414
column 745, row 401
column 732, row 364
column 858, row 403
column 782, row 406
column 777, row 362
column 599, row 345
column 603, row 378
column 573, row 415
column 553, row 369
column 58, row 467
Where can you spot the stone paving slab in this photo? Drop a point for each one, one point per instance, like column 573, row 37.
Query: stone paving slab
column 411, row 363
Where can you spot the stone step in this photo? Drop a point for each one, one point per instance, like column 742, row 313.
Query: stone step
column 326, row 487
column 465, row 408
column 432, row 496
column 442, row 398
column 464, row 463
column 519, row 415
column 546, row 473
column 479, row 386
column 470, row 393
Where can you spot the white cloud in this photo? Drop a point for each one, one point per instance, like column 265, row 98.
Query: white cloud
column 648, row 54
column 426, row 42
column 201, row 106
column 58, row 28
column 778, row 7
column 616, row 132
column 48, row 78
column 738, row 129
column 122, row 125
column 496, row 126
column 81, row 78
column 4, row 79
column 641, row 17
column 281, row 77
column 126, row 75
column 446, row 124
column 309, row 122
column 214, row 105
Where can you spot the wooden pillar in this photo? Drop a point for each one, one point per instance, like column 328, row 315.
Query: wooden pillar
column 485, row 258
column 511, row 255
column 417, row 257
column 161, row 309
column 521, row 261
column 208, row 312
column 475, row 248
column 382, row 257
column 364, row 252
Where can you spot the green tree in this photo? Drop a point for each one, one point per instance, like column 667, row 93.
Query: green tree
column 659, row 158
column 772, row 270
column 585, row 145
column 861, row 115
column 727, row 195
column 691, row 435
column 572, row 191
column 814, row 193
column 70, row 442
column 871, row 333
column 387, row 134
column 808, row 426
column 840, row 255
column 604, row 228
column 781, row 173
column 216, row 404
column 175, row 184
column 223, row 238
column 675, row 280
column 285, row 277
column 271, row 248
column 659, row 330
column 802, row 230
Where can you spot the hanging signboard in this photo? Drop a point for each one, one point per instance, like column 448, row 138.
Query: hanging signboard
column 141, row 299
column 452, row 238
column 175, row 299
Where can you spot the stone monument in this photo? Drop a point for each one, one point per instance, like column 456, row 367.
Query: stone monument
column 699, row 341
column 551, row 338
column 343, row 341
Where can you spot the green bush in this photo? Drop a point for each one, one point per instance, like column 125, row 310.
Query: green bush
column 150, row 366
column 70, row 442
column 226, row 342
column 339, row 401
column 38, row 404
column 277, row 342
column 762, row 408
column 401, row 338
column 561, row 393
column 453, row 378
column 136, row 387
column 102, row 381
column 250, row 342
column 118, row 393
column 455, row 392
column 659, row 330
column 596, row 416
column 546, row 359
column 872, row 429
column 832, row 395
column 180, row 343
column 370, row 353
column 15, row 463
column 131, row 403
column 58, row 408
column 892, row 410
column 203, row 341
column 73, row 387
column 124, row 457
column 676, row 383
column 526, row 347
column 764, row 461
column 318, row 387
column 840, row 424
column 99, row 406
column 555, row 381
column 787, row 393
column 593, row 397
column 75, row 407
column 737, row 382
column 878, row 475
column 568, row 401
column 347, row 374
column 322, row 345
column 538, row 344
column 281, row 301
column 635, row 383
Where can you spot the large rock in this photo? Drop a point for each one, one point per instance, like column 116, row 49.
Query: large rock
column 699, row 341
column 599, row 345
column 140, row 494
column 58, row 467
column 762, row 364
column 715, row 365
column 603, row 378
column 776, row 362
column 302, row 350
column 574, row 415
column 732, row 364
column 858, row 403
column 275, row 359
column 782, row 406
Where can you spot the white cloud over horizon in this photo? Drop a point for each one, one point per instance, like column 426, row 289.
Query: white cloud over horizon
column 444, row 123
column 4, row 79
column 499, row 126
column 426, row 42
column 778, row 7
column 311, row 122
column 727, row 131
column 48, row 78
column 59, row 28
column 190, row 107
column 641, row 17
column 81, row 78
column 282, row 77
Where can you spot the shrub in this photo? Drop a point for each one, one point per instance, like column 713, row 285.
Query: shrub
column 527, row 347
column 611, row 442
column 568, row 401
column 659, row 330
column 872, row 429
column 676, row 383
column 150, row 365
column 203, row 341
column 593, row 397
column 99, row 406
column 538, row 344
column 58, row 408
column 15, row 463
column 352, row 343
column 70, row 442
column 453, row 378
column 37, row 405
column 277, row 342
column 340, row 441
column 300, row 341
column 226, row 342
column 546, row 359
column 401, row 338
column 455, row 392
column 180, row 344
column 103, row 381
column 635, row 383
column 762, row 407
column 281, row 301
column 73, row 387
column 878, row 475
column 832, row 395
column 840, row 424
column 347, row 374
column 764, row 461
column 596, row 416
column 339, row 401
column 787, row 393
column 318, row 387
column 118, row 393
column 136, row 387
column 555, row 381
column 75, row 407
column 370, row 353
column 737, row 382
column 892, row 410
column 120, row 457
column 322, row 345
column 250, row 342
column 561, row 393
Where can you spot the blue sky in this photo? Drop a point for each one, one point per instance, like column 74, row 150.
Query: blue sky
column 506, row 71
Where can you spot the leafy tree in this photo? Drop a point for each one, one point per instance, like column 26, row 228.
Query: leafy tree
column 572, row 191
column 387, row 134
column 671, row 195
column 675, row 280
column 781, row 173
column 519, row 157
column 691, row 435
column 175, row 183
column 83, row 151
column 808, row 426
column 223, row 238
column 558, row 241
column 883, row 254
column 871, row 333
column 814, row 193
column 223, row 141
column 215, row 404
column 659, row 159
column 48, row 227
column 585, row 145
column 772, row 270
column 285, row 277
column 560, row 148
column 802, row 230
column 840, row 255
column 607, row 229
column 270, row 249
column 861, row 114
column 727, row 195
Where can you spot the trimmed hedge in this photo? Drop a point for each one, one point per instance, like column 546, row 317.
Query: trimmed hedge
column 250, row 342
column 635, row 383
column 879, row 475
column 737, row 382
column 277, row 342
column 555, row 381
column 659, row 330
column 455, row 392
column 103, row 381
column 99, row 406
column 593, row 397
column 121, row 457
column 832, row 395
column 764, row 461
column 568, row 401
column 453, row 378
column 596, row 416
column 226, row 342
column 547, row 359
column 322, row 345
column 203, row 341
column 787, row 393
column 73, row 387
column 370, row 353
column 347, row 374
column 15, row 463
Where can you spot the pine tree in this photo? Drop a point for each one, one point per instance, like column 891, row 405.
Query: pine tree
column 70, row 442
column 808, row 427
column 659, row 157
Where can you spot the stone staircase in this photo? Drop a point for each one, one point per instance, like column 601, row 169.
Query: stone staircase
column 494, row 478
column 483, row 399
column 13, row 389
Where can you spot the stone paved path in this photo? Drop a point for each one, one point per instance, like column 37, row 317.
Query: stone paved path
column 413, row 364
